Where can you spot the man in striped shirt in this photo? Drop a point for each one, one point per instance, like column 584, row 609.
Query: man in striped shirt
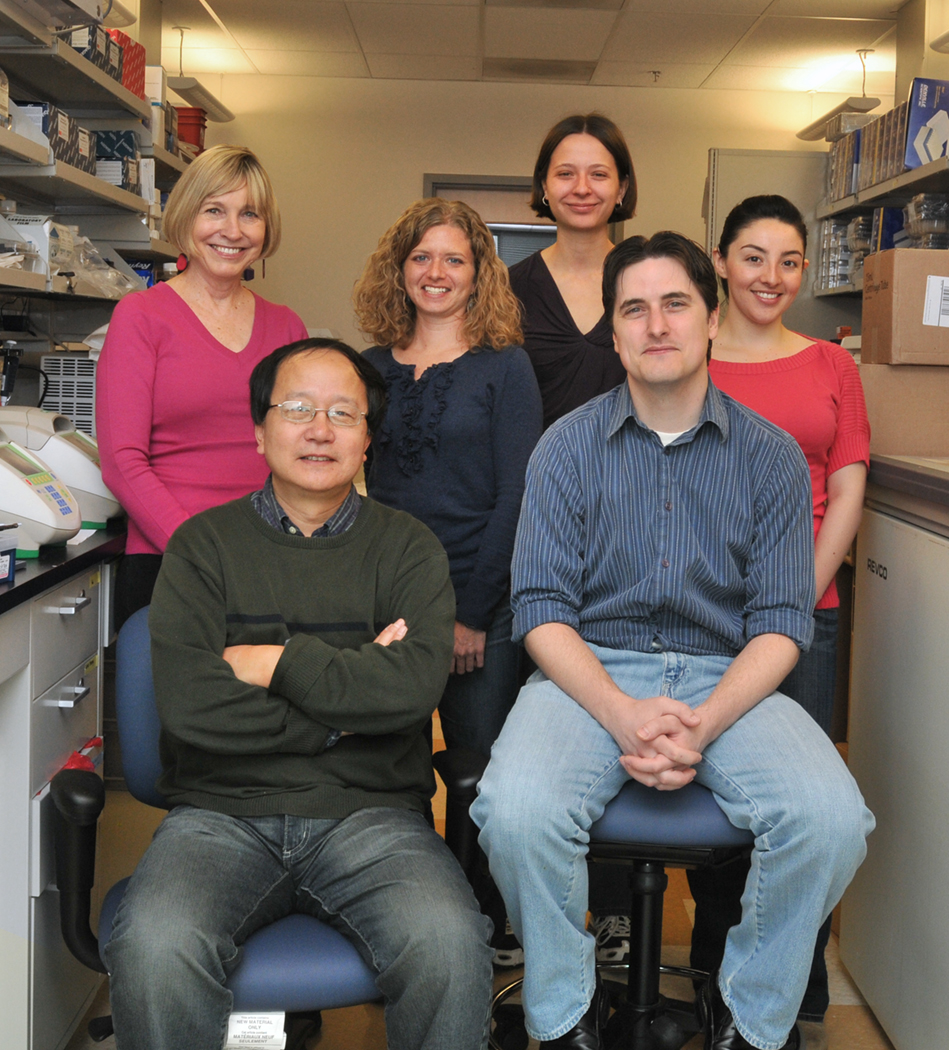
column 663, row 582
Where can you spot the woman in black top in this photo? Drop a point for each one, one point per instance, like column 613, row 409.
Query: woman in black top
column 583, row 180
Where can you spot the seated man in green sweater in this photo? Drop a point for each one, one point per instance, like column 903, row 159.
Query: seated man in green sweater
column 301, row 639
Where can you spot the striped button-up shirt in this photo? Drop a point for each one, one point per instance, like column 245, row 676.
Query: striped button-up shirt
column 694, row 547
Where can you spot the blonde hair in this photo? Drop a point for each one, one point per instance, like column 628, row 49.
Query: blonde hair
column 384, row 310
column 218, row 170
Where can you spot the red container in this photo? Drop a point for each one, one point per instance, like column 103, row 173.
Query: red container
column 133, row 64
column 191, row 125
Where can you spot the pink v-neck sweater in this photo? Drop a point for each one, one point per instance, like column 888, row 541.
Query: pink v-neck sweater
column 172, row 411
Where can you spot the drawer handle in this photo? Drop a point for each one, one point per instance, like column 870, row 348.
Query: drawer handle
column 79, row 692
column 70, row 610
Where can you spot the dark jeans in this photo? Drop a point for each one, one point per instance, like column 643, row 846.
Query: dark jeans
column 717, row 892
column 381, row 877
column 475, row 704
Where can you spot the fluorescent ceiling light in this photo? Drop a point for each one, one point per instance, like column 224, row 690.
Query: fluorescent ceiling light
column 854, row 104
column 194, row 92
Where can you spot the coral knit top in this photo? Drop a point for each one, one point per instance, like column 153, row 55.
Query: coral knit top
column 816, row 396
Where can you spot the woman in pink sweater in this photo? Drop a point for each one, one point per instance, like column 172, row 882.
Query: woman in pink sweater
column 811, row 389
column 172, row 419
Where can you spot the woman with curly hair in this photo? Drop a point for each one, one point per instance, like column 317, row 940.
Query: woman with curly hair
column 462, row 420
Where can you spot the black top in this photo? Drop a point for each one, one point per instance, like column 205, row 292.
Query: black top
column 571, row 367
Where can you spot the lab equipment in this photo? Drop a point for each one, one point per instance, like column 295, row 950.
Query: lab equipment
column 31, row 494
column 71, row 454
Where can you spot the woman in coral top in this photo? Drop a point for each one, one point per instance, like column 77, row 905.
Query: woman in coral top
column 811, row 389
column 172, row 419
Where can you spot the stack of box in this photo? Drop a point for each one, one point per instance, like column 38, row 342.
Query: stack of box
column 835, row 255
column 883, row 148
column 117, row 159
column 133, row 62
column 92, row 42
column 69, row 142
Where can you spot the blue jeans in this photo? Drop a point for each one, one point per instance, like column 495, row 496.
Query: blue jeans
column 475, row 704
column 381, row 876
column 552, row 772
column 717, row 891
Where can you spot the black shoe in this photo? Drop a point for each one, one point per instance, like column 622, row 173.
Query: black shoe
column 720, row 1030
column 587, row 1033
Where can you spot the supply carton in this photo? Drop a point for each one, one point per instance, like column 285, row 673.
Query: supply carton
column 906, row 307
column 927, row 130
column 907, row 409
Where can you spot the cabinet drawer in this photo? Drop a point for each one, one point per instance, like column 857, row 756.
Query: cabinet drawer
column 57, row 730
column 14, row 642
column 65, row 629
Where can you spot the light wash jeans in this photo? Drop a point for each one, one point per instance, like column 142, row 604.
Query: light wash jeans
column 553, row 770
column 381, row 876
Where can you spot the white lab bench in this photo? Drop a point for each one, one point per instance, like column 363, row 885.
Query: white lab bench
column 53, row 625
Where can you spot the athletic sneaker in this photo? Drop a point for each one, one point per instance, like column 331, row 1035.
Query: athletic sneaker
column 612, row 939
column 507, row 951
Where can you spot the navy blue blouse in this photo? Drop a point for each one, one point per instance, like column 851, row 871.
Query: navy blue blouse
column 453, row 452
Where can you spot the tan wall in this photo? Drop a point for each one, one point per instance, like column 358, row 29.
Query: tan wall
column 346, row 156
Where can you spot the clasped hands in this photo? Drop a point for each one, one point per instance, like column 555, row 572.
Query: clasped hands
column 661, row 741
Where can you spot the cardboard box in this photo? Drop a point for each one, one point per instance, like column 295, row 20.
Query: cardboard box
column 906, row 307
column 907, row 409
column 54, row 124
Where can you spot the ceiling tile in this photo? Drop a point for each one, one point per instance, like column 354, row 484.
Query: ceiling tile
column 301, row 24
column 585, row 5
column 838, row 8
column 636, row 74
column 542, row 33
column 538, row 70
column 434, row 3
column 206, row 60
column 409, row 29
column 752, row 8
column 416, row 67
column 309, row 63
column 754, row 78
column 805, row 42
column 652, row 38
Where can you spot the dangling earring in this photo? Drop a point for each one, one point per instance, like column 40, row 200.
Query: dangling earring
column 471, row 301
column 248, row 274
column 182, row 263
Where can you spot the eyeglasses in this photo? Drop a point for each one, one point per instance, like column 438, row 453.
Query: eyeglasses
column 301, row 412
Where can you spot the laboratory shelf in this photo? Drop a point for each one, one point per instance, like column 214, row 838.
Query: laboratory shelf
column 57, row 73
column 19, row 281
column 168, row 167
column 841, row 289
column 66, row 189
column 931, row 178
column 17, row 149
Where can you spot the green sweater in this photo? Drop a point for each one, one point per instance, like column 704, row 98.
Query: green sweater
column 228, row 578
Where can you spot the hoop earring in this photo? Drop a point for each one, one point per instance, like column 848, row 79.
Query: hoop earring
column 182, row 263
column 545, row 202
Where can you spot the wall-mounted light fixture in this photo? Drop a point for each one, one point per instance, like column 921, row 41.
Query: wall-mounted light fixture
column 855, row 104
